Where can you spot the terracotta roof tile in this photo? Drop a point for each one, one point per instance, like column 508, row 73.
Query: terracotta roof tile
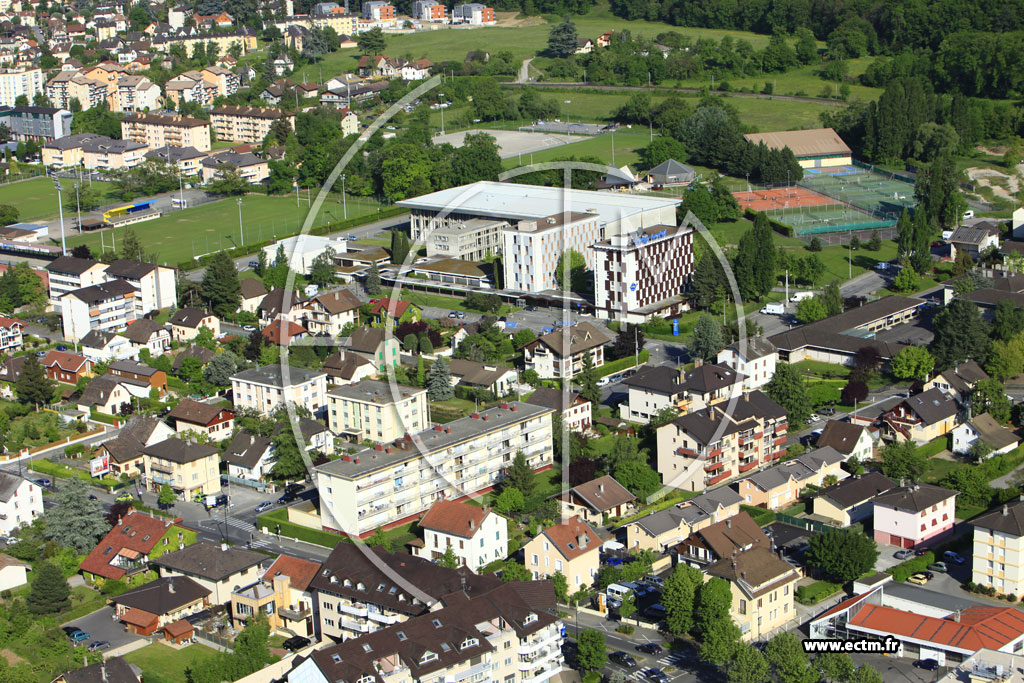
column 300, row 571
column 455, row 518
column 567, row 536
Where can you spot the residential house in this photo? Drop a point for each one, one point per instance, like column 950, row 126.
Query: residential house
column 998, row 549
column 249, row 167
column 915, row 515
column 202, row 418
column 200, row 353
column 218, row 569
column 139, row 372
column 159, row 603
column 68, row 274
column 596, row 500
column 476, row 536
column 779, row 486
column 497, row 380
column 922, row 417
column 313, row 435
column 66, row 367
column 399, row 310
column 125, row 451
column 649, row 391
column 661, row 530
column 13, row 572
column 130, row 544
column 147, row 334
column 974, row 240
column 108, row 306
column 378, row 411
column 722, row 540
column 190, row 469
column 346, row 367
column 283, row 595
column 375, row 344
column 708, row 446
column 186, row 159
column 110, row 670
column 253, row 292
column 110, row 395
column 958, row 381
column 279, row 303
column 570, row 547
column 21, row 501
column 754, row 358
column 99, row 345
column 559, row 354
column 11, row 335
column 984, row 428
column 848, row 438
column 269, row 387
column 349, row 122
column 851, row 500
column 283, row 332
column 575, row 410
column 763, row 591
column 248, row 456
column 328, row 313
column 185, row 324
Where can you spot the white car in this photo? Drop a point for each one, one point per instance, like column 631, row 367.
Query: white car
column 813, row 418
column 604, row 381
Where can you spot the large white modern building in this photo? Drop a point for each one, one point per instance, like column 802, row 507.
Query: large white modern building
column 391, row 484
column 268, row 388
column 15, row 82
column 107, row 307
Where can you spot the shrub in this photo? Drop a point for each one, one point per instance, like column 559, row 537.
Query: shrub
column 816, row 592
column 904, row 570
column 627, row 629
column 1012, row 597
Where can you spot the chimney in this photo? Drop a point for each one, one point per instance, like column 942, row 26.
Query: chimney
column 956, row 616
column 582, row 541
column 472, row 524
column 697, row 362
column 600, row 488
column 223, row 547
column 170, row 585
column 120, row 521
column 746, row 397
column 728, row 523
column 1006, row 510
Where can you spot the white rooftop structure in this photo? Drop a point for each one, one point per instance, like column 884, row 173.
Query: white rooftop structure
column 300, row 250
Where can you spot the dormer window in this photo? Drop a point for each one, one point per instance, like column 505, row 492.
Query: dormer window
column 469, row 642
column 393, row 590
column 360, row 586
column 436, row 623
column 336, row 658
column 530, row 618
column 347, row 583
column 428, row 656
column 446, row 647
column 401, row 635
column 367, row 648
column 380, row 587
column 365, row 678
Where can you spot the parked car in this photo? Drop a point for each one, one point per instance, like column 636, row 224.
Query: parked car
column 295, row 488
column 286, row 498
column 828, row 410
column 97, row 645
column 927, row 664
column 953, row 557
column 453, row 314
column 42, row 481
column 249, row 328
column 623, row 659
column 919, row 578
column 903, row 554
column 939, row 567
column 296, row 643
column 649, row 648
column 68, row 630
column 62, row 347
column 78, row 635
column 656, row 675
column 92, row 496
column 40, row 354
column 124, row 497
column 264, row 506
column 613, row 561
column 656, row 581
column 462, row 315
column 530, row 308
column 254, row 264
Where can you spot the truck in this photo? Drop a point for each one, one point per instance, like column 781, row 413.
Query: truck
column 215, row 500
column 774, row 309
column 800, row 296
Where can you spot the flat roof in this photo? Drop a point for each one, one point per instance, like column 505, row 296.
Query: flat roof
column 523, row 202
column 375, row 391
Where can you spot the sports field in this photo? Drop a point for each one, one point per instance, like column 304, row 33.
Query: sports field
column 37, row 198
column 883, row 196
column 778, row 198
column 182, row 235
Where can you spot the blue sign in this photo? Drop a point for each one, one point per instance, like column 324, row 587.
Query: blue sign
column 675, row 327
column 632, row 287
column 644, row 239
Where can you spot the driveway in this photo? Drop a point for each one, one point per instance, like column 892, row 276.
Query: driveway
column 100, row 625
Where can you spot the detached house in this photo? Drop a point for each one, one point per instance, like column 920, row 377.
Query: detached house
column 477, row 536
column 559, row 354
column 202, row 418
column 217, row 569
column 10, row 335
column 722, row 540
column 376, row 345
column 186, row 322
column 248, row 456
column 497, row 380
column 984, row 428
column 146, row 334
column 283, row 595
column 960, row 381
column 346, row 367
column 574, row 409
column 570, row 547
column 755, row 360
column 780, row 486
column 330, row 312
column 763, row 591
column 127, row 548
column 851, row 500
column 66, row 367
column 911, row 516
column 849, row 439
column 159, row 604
column 21, row 501
column 595, row 499
column 922, row 417
column 190, row 469
column 660, row 530
column 253, row 292
column 125, row 452
column 140, row 373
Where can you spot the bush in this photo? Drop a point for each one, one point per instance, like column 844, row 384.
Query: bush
column 816, row 592
column 627, row 629
column 611, row 367
column 760, row 515
column 904, row 570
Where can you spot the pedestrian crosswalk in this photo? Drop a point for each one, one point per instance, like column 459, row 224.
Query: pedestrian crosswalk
column 249, row 529
column 675, row 659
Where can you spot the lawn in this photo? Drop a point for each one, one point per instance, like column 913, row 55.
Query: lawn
column 168, row 664
column 36, row 429
column 211, row 227
column 619, row 149
column 37, row 198
column 447, row 302
column 835, row 258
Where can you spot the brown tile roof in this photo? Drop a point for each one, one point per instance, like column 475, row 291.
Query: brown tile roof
column 757, row 570
column 601, row 494
column 251, row 288
column 195, row 412
column 283, row 331
column 69, row 362
column 842, row 436
column 189, row 317
column 366, row 339
column 394, row 308
column 208, row 561
column 135, row 531
column 8, row 561
column 581, row 337
column 554, row 399
column 915, row 498
column 991, row 432
column 734, row 534
column 110, row 670
column 573, row 538
column 142, row 330
column 300, row 571
column 164, row 595
column 344, row 365
column 179, row 628
column 857, row 489
column 204, row 355
column 455, row 518
column 338, row 301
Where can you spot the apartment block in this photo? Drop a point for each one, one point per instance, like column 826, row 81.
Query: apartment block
column 191, row 469
column 249, row 167
column 157, row 130
column 708, row 446
column 105, row 154
column 267, row 388
column 780, row 486
column 389, row 484
column 378, row 10
column 39, row 124
column 998, row 553
column 225, row 81
column 282, row 594
column 651, row 390
column 428, row 10
column 560, row 354
column 155, row 285
column 473, row 13
column 15, row 82
column 570, row 547
column 330, row 312
column 137, row 93
column 108, row 307
column 246, row 124
column 73, row 85
column 21, row 501
column 641, row 275
column 763, row 587
column 376, row 411
column 470, row 240
column 755, row 359
column 531, row 250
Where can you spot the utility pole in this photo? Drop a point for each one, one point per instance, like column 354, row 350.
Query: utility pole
column 60, row 209
column 78, row 201
column 344, row 198
column 636, row 346
column 241, row 237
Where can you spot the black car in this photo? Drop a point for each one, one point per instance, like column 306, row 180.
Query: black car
column 623, row 659
column 649, row 648
column 296, row 643
column 927, row 664
column 286, row 498
column 295, row 488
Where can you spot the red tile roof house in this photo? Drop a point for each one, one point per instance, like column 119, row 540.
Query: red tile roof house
column 66, row 367
column 477, row 536
column 125, row 550
column 194, row 416
column 284, row 332
column 396, row 309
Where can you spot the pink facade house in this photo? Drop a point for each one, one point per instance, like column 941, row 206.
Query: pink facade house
column 913, row 516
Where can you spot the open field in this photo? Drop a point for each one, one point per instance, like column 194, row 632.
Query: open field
column 183, row 235
column 36, row 198
column 168, row 663
column 804, row 81
column 626, row 145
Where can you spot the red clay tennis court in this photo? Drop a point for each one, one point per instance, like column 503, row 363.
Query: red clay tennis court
column 781, row 198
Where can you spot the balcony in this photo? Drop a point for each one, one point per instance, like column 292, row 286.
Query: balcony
column 544, row 674
column 293, row 614
column 382, row 618
column 160, row 479
column 554, row 637
column 711, row 481
column 357, row 609
column 747, row 466
column 712, row 466
column 353, row 625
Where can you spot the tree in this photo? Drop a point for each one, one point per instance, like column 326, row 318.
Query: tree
column 836, row 667
column 832, row 299
column 842, row 554
column 131, row 247
column 748, row 665
column 50, row 591
column 561, row 587
column 990, row 397
column 220, row 288
column 638, row 478
column 220, row 368
column 755, row 261
column 875, row 243
column 513, row 571
column 960, row 334
column 814, row 244
column 590, row 650
column 806, row 46
column 678, row 598
column 578, row 280
column 787, row 388
column 587, row 379
column 372, row 41
column 713, row 602
column 251, row 646
column 380, row 540
column 439, row 381
column 510, row 501
column 449, row 560
column 399, row 246
column 166, row 497
column 854, row 392
column 33, row 386
column 75, row 521
column 8, row 214
column 661, row 150
column 520, row 475
column 290, row 463
column 913, row 362
column 720, row 641
column 629, row 341
column 903, row 461
column 811, row 309
column 562, row 40
column 411, row 343
column 372, row 285
column 1007, row 321
column 865, row 673
column 786, row 655
column 321, row 271
column 708, row 339
column 971, row 484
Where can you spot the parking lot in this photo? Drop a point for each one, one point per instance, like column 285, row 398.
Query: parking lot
column 100, row 625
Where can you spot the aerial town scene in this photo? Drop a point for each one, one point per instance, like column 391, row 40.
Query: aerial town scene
column 554, row 341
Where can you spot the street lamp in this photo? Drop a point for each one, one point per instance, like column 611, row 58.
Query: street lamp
column 60, row 208
column 78, row 201
column 344, row 198
column 241, row 237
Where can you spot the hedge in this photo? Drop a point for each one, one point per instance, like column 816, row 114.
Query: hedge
column 904, row 570
column 326, row 228
column 934, row 447
column 65, row 472
column 97, row 416
column 778, row 227
column 611, row 367
column 816, row 592
column 761, row 516
column 271, row 520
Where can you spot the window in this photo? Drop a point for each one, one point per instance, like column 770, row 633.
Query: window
column 536, row 560
column 401, row 635
column 469, row 642
column 428, row 657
